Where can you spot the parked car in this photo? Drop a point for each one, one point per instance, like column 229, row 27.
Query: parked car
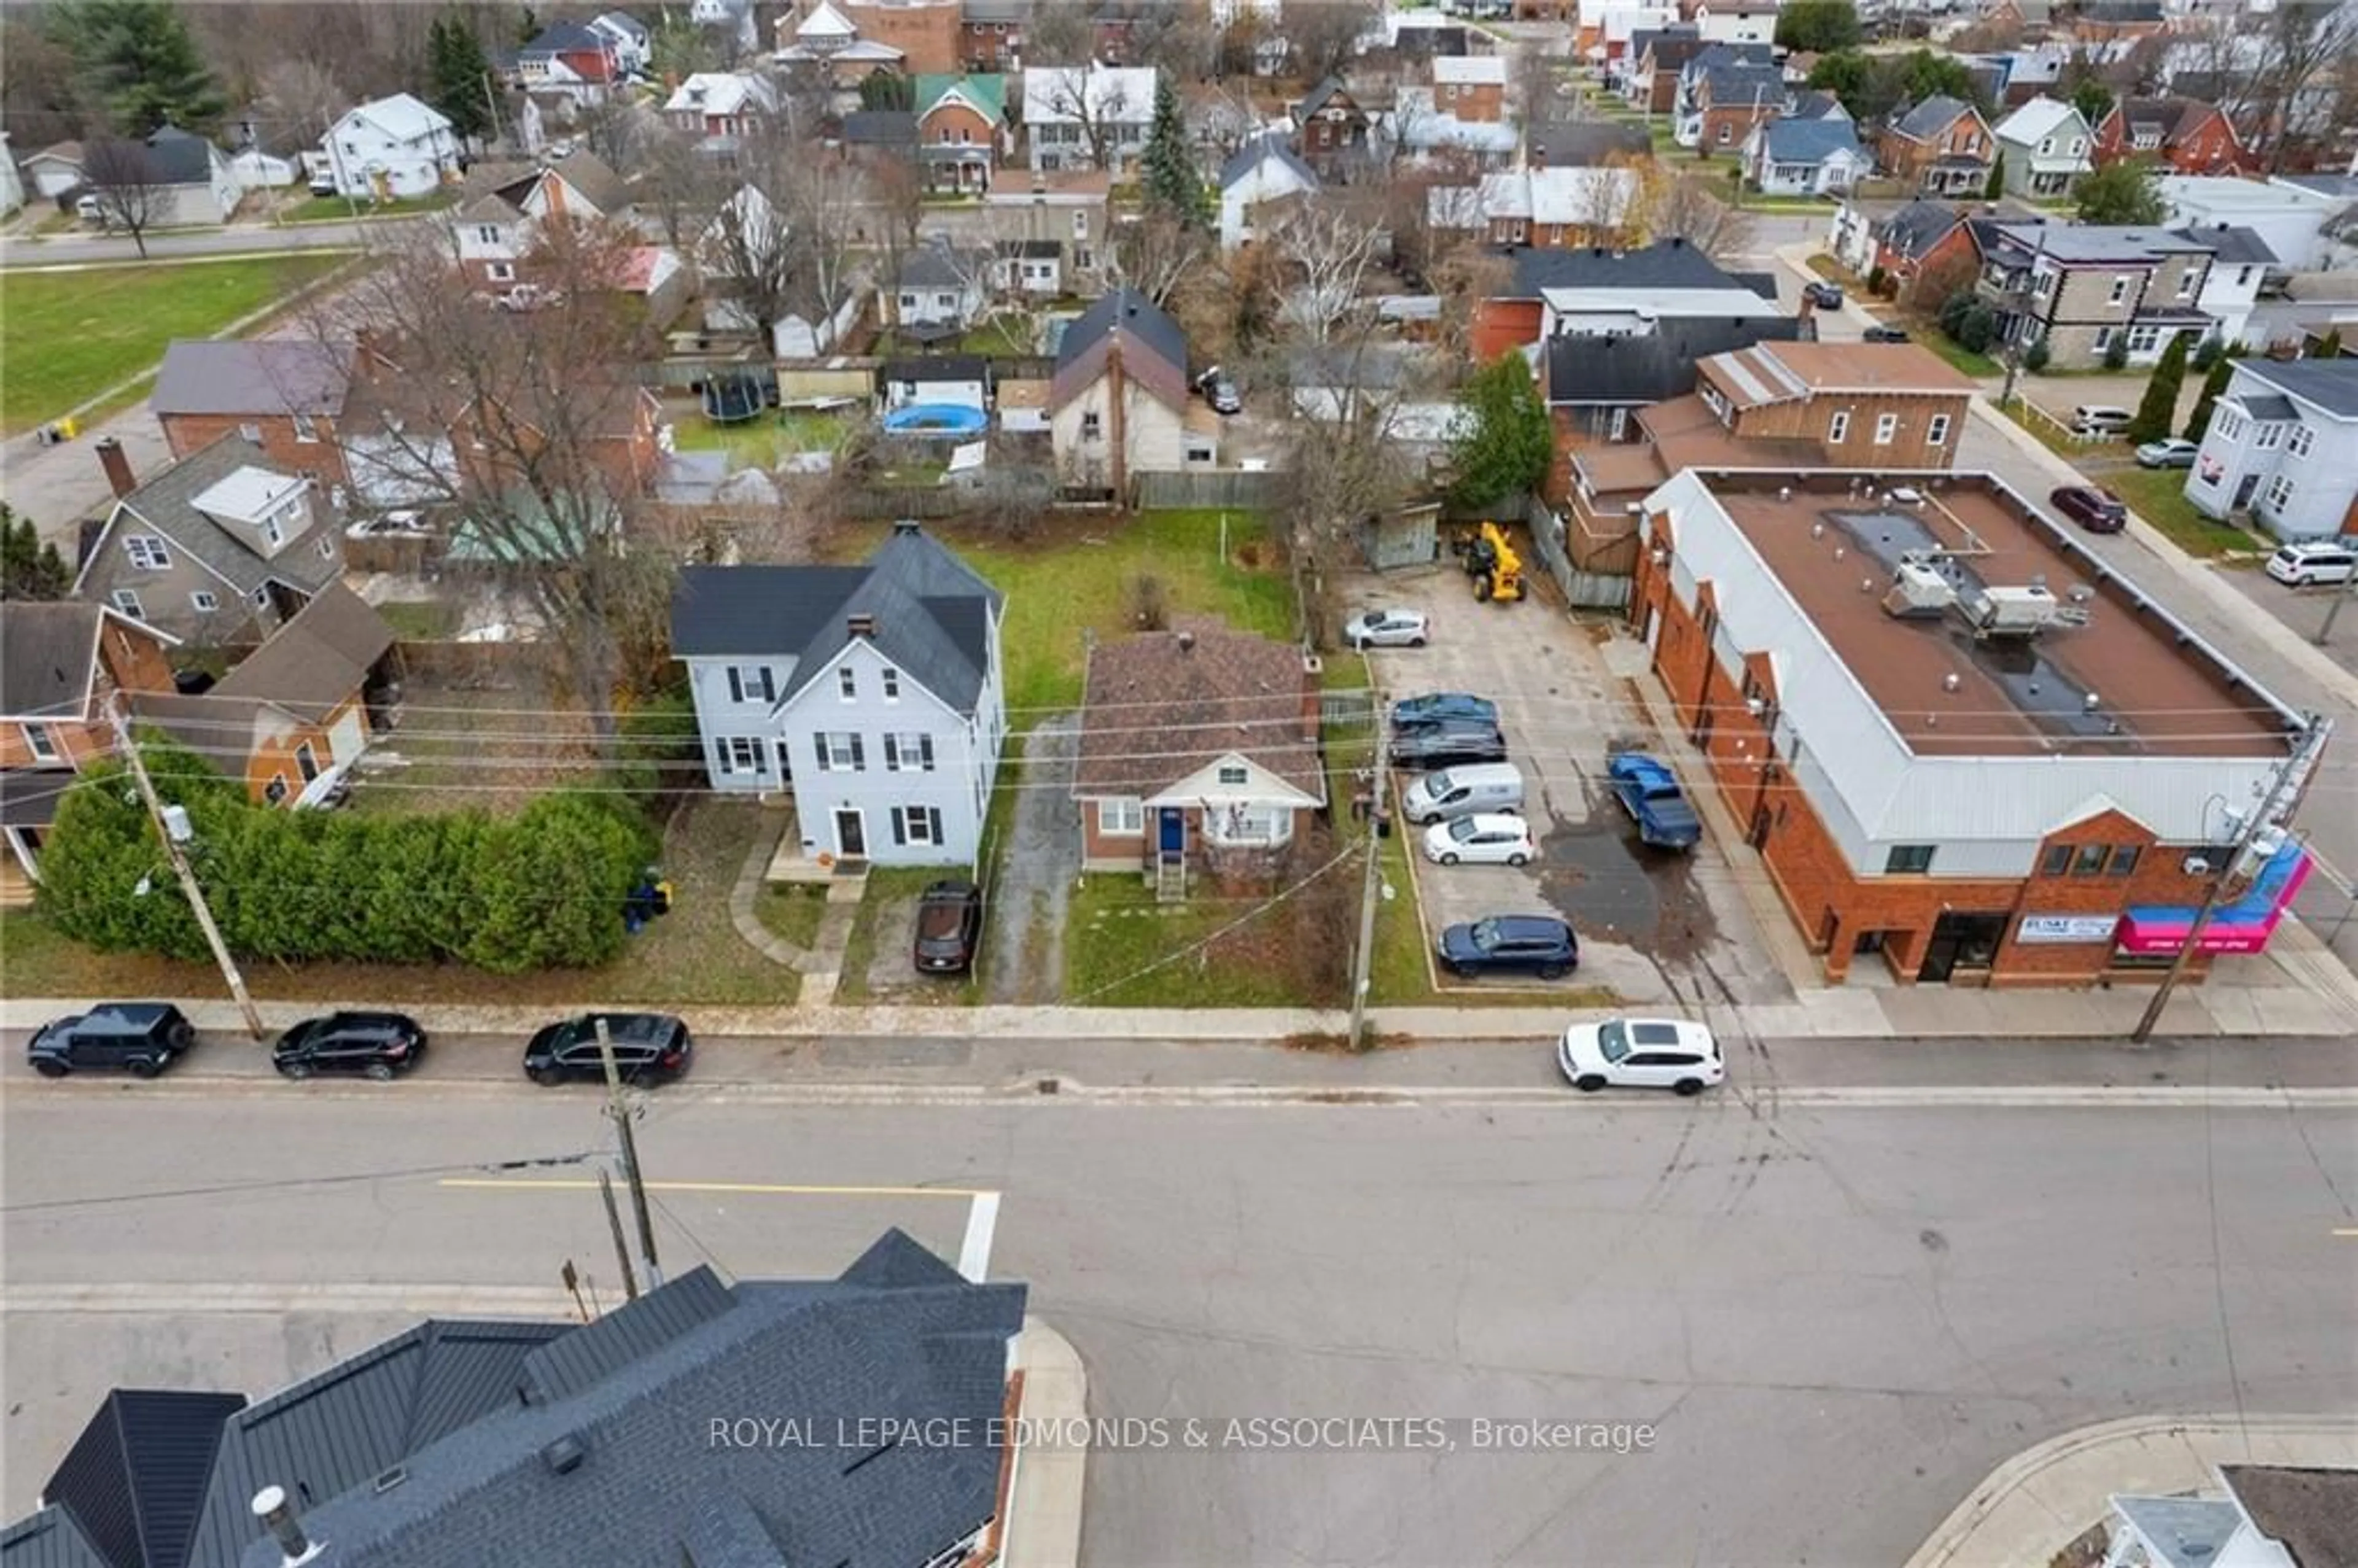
column 1219, row 390
column 2176, row 452
column 1448, row 745
column 1435, row 707
column 1883, row 335
column 1642, row 1053
column 1487, row 839
column 1385, row 628
column 1822, row 295
column 2097, row 511
column 370, row 1044
column 1528, row 944
column 1465, row 792
column 1650, row 793
column 950, row 927
column 2312, row 561
column 141, row 1038
column 649, row 1048
column 2101, row 419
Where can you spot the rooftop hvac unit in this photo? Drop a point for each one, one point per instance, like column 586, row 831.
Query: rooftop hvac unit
column 2013, row 611
column 1918, row 591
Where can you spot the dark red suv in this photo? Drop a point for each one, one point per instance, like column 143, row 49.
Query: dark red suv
column 2097, row 511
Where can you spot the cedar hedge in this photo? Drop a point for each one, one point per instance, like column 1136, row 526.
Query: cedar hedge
column 541, row 889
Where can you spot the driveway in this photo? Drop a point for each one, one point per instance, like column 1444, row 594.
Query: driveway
column 1656, row 928
column 1023, row 941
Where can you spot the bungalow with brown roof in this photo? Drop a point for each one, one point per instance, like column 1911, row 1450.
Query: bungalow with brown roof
column 1198, row 751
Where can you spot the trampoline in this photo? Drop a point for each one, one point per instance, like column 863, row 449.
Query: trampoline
column 954, row 419
column 732, row 399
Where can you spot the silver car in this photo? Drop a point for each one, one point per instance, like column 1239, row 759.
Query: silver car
column 1385, row 628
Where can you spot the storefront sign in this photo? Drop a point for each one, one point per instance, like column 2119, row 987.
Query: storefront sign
column 2066, row 928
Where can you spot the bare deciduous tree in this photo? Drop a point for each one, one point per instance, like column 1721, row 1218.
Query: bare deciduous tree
column 1094, row 103
column 530, row 430
column 1682, row 207
column 1330, row 244
column 2303, row 47
column 130, row 195
column 1462, row 279
column 1348, row 464
column 1060, row 33
column 1153, row 253
column 1326, row 37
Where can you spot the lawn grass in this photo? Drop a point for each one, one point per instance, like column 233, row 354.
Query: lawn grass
column 336, row 210
column 1001, row 339
column 1979, row 366
column 420, row 620
column 464, row 747
column 692, row 955
column 67, row 337
column 791, row 911
column 2158, row 495
column 1074, row 577
column 884, row 885
column 1122, row 948
column 764, row 443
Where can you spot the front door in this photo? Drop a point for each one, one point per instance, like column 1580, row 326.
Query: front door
column 1173, row 832
column 850, row 833
column 1961, row 942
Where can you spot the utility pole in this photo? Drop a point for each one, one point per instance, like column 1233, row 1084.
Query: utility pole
column 628, row 1144
column 2349, row 588
column 181, row 866
column 1371, row 890
column 2015, row 343
column 622, row 1248
column 2281, row 788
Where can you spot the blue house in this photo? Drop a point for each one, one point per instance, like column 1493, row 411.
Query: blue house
column 1820, row 157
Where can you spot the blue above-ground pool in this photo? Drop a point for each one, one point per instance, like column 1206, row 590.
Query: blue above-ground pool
column 936, row 419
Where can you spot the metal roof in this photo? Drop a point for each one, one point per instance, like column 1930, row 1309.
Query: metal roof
column 134, row 1481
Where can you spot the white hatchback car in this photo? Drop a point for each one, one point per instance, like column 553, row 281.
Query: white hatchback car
column 1641, row 1054
column 1486, row 839
column 1385, row 628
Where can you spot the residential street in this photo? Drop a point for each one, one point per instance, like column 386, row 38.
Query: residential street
column 1836, row 1320
column 242, row 239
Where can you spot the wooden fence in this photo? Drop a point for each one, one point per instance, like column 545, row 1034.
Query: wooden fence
column 1234, row 490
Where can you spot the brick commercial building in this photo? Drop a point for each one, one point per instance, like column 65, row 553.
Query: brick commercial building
column 1958, row 741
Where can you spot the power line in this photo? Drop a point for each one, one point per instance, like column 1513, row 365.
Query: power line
column 296, row 1184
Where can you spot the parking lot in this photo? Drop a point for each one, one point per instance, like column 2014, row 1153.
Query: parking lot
column 1656, row 928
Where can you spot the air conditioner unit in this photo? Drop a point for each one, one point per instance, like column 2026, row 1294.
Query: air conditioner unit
column 2195, row 866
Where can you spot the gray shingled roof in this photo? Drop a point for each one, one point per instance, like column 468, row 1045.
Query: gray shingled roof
column 1139, row 316
column 1658, row 365
column 46, row 652
column 316, row 662
column 2234, row 244
column 1666, row 263
column 1743, row 84
column 251, row 376
column 1918, row 226
column 2312, row 1512
column 1267, row 148
column 1931, row 117
column 1582, row 144
column 2332, row 385
column 165, row 505
column 899, row 1336
column 176, row 158
column 931, row 610
column 1810, row 141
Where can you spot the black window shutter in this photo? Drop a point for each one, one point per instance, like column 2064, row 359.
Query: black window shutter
column 900, row 825
column 736, row 685
column 925, row 749
column 826, row 763
column 891, row 755
column 769, row 693
column 859, row 759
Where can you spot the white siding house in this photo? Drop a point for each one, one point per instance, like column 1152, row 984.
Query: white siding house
column 2048, row 146
column 1263, row 170
column 394, row 147
column 874, row 694
column 1070, row 111
column 2283, row 442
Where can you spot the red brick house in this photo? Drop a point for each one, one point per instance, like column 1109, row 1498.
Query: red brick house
column 2188, row 136
column 284, row 395
column 990, row 34
column 930, row 34
column 1941, row 146
column 1199, row 753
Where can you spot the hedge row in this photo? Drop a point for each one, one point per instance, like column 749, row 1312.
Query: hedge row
column 540, row 890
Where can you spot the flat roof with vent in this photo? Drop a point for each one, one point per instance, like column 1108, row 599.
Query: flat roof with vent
column 2105, row 676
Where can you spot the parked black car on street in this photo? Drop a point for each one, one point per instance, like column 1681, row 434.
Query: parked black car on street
column 649, row 1048
column 1451, row 744
column 1528, row 944
column 345, row 1044
column 141, row 1038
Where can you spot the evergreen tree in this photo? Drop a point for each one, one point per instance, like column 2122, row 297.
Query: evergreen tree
column 1173, row 184
column 1994, row 186
column 2123, row 192
column 2094, row 99
column 462, row 77
column 29, row 568
column 2213, row 384
column 1508, row 442
column 139, row 63
column 2328, row 347
column 2159, row 405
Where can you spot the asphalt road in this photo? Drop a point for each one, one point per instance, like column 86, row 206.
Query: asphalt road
column 101, row 250
column 1834, row 1321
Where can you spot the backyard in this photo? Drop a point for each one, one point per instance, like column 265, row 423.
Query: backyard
column 764, row 443
column 692, row 955
column 68, row 336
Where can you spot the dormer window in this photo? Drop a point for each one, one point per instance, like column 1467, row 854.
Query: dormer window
column 1234, row 773
column 147, row 553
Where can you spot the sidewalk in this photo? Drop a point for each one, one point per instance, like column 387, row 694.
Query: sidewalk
column 1044, row 1503
column 2039, row 1500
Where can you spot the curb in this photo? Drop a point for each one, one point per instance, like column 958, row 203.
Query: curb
column 2001, row 1486
column 1043, row 1522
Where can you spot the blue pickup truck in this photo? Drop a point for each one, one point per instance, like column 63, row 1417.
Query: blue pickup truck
column 1649, row 791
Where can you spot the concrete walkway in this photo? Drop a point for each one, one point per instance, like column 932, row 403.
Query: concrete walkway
column 2042, row 1499
column 1043, row 1505
column 821, row 963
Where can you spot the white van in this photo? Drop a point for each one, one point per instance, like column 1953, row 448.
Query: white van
column 1457, row 792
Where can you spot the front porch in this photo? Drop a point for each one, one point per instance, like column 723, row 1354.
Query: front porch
column 1953, row 177
column 804, row 862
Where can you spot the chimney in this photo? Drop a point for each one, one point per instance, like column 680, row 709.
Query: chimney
column 277, row 1516
column 861, row 626
column 1314, row 706
column 117, row 467
column 1538, row 155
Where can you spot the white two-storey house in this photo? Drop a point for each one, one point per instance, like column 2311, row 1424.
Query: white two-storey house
column 393, row 147
column 874, row 693
column 2283, row 442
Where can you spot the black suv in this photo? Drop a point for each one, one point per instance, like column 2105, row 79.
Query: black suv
column 1533, row 944
column 949, row 926
column 141, row 1038
column 649, row 1048
column 1452, row 743
column 374, row 1045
